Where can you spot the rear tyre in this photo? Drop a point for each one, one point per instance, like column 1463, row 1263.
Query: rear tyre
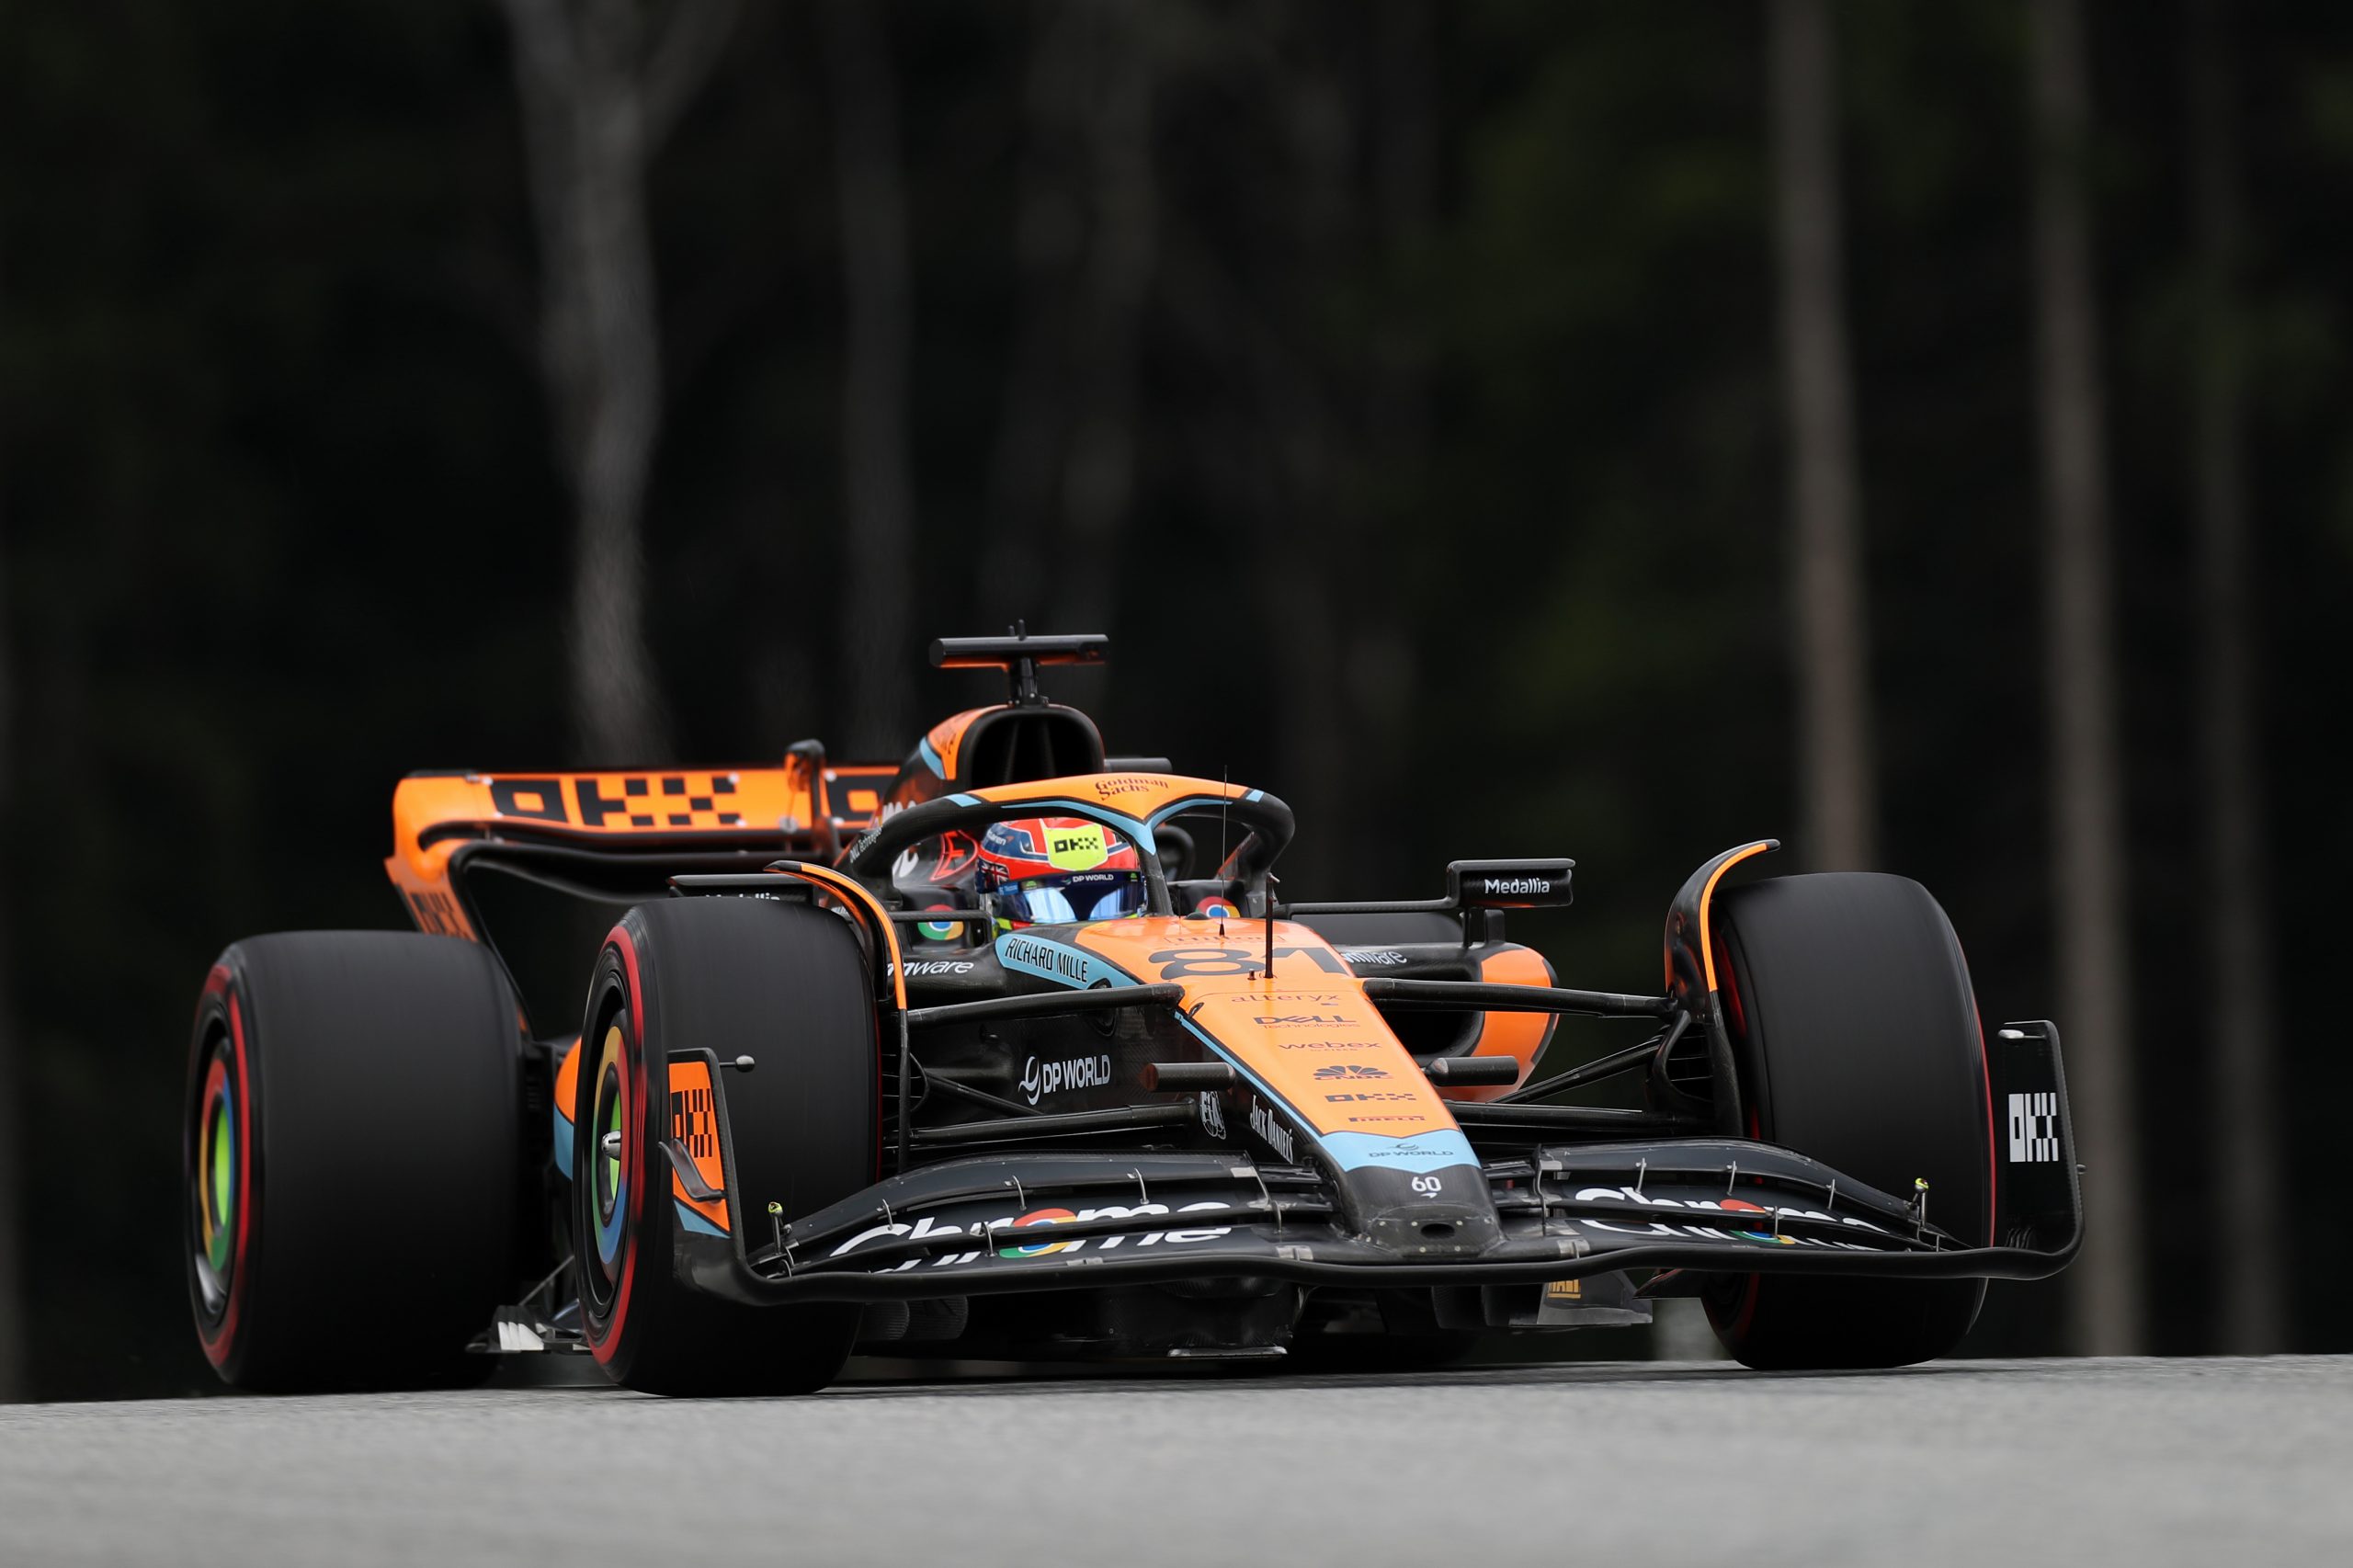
column 787, row 985
column 353, row 1115
column 1856, row 1037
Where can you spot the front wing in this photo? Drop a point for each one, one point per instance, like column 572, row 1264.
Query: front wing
column 1062, row 1220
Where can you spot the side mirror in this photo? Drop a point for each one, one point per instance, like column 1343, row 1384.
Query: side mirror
column 1509, row 884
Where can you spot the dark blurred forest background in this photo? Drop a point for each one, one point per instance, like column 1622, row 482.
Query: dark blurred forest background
column 1919, row 431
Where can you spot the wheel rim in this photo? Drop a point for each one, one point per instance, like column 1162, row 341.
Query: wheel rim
column 609, row 1118
column 214, row 1185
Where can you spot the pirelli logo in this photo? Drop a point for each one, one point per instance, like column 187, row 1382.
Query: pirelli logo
column 693, row 1124
column 2034, row 1129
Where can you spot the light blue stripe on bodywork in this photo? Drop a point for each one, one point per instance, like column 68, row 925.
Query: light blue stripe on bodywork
column 1422, row 1152
column 1059, row 961
column 931, row 757
column 562, row 1144
column 694, row 1222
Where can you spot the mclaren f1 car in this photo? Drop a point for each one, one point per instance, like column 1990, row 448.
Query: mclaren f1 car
column 989, row 1053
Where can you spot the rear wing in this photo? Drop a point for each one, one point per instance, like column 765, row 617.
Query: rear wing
column 609, row 833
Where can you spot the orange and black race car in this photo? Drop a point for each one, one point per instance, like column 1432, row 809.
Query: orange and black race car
column 986, row 1054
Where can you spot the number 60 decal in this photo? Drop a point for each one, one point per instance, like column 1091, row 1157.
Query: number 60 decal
column 1429, row 1186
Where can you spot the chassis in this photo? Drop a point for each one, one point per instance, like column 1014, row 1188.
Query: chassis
column 1234, row 1127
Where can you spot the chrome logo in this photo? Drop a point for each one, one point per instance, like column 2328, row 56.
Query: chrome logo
column 1041, row 1217
column 1736, row 1203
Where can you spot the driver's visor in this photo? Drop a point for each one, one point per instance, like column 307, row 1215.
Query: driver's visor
column 1075, row 896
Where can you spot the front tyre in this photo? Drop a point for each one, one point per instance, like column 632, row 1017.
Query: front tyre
column 1856, row 1039
column 787, row 985
column 350, row 1162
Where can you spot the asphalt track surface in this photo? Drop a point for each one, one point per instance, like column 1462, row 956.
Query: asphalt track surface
column 1981, row 1464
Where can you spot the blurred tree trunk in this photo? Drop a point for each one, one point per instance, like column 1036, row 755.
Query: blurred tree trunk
column 1827, row 594
column 1382, row 667
column 1048, row 231
column 12, row 1298
column 1321, row 124
column 2087, row 794
column 2241, row 1038
column 1098, row 473
column 1403, row 126
column 598, row 103
column 1065, row 470
column 878, row 481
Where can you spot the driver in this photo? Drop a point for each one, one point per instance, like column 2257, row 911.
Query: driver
column 1055, row 870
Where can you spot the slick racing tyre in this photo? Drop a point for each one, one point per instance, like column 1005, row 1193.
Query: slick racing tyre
column 786, row 985
column 352, row 1148
column 1855, row 1035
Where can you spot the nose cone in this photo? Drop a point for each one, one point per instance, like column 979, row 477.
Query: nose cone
column 1425, row 1215
column 1425, row 1231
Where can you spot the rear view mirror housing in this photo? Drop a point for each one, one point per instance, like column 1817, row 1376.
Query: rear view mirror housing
column 1509, row 884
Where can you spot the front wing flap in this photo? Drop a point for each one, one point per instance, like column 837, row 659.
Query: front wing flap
column 1008, row 1223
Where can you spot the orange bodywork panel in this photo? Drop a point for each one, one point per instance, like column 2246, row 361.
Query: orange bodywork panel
column 567, row 1081
column 1137, row 795
column 1307, row 1030
column 694, row 1125
column 946, row 738
column 1521, row 1036
column 434, row 813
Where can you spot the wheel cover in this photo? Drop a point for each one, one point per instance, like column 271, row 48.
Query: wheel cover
column 213, row 1189
column 611, row 1117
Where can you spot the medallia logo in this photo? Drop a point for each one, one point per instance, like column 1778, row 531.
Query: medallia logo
column 1042, row 1078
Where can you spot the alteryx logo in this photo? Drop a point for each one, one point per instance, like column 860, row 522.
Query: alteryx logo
column 1350, row 1070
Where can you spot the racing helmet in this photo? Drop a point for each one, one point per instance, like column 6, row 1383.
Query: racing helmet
column 1053, row 870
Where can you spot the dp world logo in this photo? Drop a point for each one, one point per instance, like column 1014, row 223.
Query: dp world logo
column 1042, row 1078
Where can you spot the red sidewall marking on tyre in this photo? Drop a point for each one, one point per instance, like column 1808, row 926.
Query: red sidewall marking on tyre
column 631, row 1110
column 1992, row 1170
column 220, row 1341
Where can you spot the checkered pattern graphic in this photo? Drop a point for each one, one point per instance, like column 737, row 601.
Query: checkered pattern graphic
column 692, row 1123
column 2034, row 1129
column 659, row 801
